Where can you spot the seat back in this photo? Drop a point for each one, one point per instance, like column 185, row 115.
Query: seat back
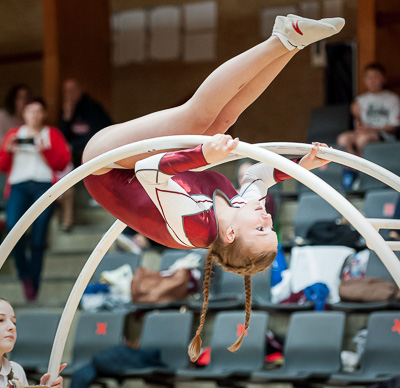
column 227, row 327
column 96, row 332
column 381, row 204
column 314, row 342
column 169, row 256
column 169, row 331
column 382, row 349
column 385, row 155
column 36, row 331
column 115, row 260
column 228, row 284
column 331, row 173
column 261, row 287
column 327, row 122
column 311, row 208
column 376, row 268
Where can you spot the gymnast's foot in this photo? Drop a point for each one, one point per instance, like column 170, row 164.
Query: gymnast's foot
column 298, row 32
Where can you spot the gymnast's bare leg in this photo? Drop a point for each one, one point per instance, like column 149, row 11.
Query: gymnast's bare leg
column 215, row 106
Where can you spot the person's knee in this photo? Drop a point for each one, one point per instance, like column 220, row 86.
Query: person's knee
column 225, row 121
column 345, row 139
column 198, row 120
column 362, row 140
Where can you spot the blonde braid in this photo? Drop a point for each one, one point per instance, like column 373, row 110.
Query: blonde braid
column 195, row 345
column 247, row 287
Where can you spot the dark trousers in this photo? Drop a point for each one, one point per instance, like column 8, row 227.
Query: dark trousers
column 22, row 196
column 111, row 362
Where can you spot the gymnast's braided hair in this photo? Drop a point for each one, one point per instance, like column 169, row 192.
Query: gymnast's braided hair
column 237, row 258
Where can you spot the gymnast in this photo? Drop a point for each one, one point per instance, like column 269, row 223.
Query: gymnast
column 161, row 198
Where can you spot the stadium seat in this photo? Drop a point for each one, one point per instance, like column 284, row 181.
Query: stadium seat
column 306, row 214
column 169, row 331
column 385, row 155
column 95, row 332
column 36, row 331
column 331, row 173
column 380, row 361
column 312, row 348
column 225, row 365
column 381, row 204
column 327, row 122
column 115, row 260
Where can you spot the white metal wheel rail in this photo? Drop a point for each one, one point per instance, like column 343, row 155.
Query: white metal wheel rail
column 266, row 152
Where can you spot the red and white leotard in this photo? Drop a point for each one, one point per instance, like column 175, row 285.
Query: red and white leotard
column 166, row 202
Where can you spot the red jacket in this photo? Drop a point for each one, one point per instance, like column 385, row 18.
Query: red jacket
column 57, row 156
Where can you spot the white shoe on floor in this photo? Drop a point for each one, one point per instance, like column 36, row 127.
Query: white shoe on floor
column 298, row 32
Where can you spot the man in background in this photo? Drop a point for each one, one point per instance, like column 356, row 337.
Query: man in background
column 81, row 117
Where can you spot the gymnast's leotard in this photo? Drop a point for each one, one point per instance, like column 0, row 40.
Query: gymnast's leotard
column 171, row 205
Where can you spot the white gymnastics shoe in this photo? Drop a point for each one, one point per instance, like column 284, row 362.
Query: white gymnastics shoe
column 298, row 32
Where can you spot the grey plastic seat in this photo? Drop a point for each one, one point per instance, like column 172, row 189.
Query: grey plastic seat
column 381, row 204
column 312, row 348
column 375, row 269
column 36, row 330
column 169, row 331
column 385, row 155
column 331, row 173
column 115, row 260
column 381, row 360
column 226, row 292
column 95, row 332
column 225, row 365
column 169, row 256
column 311, row 208
column 327, row 122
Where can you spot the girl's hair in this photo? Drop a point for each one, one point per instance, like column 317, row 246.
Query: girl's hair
column 37, row 100
column 237, row 258
column 11, row 97
column 10, row 376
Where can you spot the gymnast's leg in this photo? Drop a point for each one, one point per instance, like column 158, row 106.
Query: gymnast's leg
column 201, row 114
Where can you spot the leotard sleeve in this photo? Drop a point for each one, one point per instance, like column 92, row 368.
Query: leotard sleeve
column 259, row 178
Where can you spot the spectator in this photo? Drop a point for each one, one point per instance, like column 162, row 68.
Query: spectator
column 376, row 113
column 31, row 154
column 81, row 118
column 10, row 370
column 11, row 115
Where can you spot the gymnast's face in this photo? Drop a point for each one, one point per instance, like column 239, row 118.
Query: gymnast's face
column 254, row 226
column 8, row 330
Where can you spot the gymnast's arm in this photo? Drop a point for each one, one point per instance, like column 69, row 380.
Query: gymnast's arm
column 259, row 178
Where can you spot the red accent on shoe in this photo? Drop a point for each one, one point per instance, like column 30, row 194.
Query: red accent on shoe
column 296, row 27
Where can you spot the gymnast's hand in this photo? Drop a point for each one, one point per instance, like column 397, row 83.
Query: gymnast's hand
column 57, row 383
column 311, row 161
column 218, row 147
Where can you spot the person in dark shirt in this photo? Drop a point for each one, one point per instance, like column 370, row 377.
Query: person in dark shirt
column 81, row 118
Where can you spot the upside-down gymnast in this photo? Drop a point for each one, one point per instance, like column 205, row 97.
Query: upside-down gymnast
column 161, row 198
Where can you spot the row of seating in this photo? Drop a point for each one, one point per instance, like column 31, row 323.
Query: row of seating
column 379, row 203
column 311, row 352
column 227, row 288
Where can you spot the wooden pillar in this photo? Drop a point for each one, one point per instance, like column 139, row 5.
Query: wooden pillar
column 366, row 29
column 76, row 44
